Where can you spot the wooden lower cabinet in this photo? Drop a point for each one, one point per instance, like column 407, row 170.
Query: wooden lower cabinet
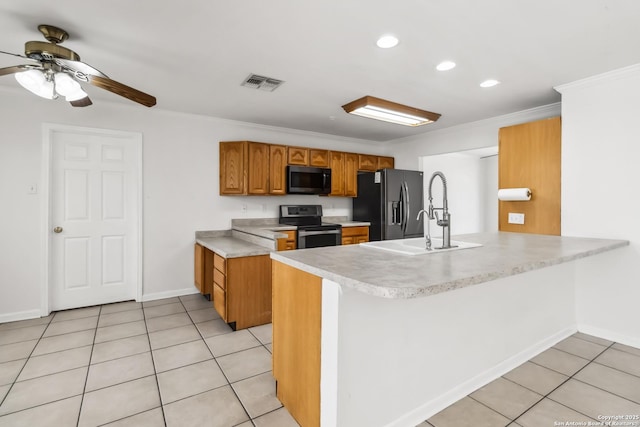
column 288, row 243
column 203, row 270
column 297, row 311
column 355, row 235
column 242, row 290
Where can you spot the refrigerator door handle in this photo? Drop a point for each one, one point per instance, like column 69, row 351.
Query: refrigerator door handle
column 407, row 211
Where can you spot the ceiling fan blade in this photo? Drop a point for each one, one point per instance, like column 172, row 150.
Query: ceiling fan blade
column 16, row 69
column 84, row 102
column 15, row 54
column 79, row 66
column 122, row 90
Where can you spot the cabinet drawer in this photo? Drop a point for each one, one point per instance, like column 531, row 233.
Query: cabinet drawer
column 220, row 263
column 219, row 279
column 219, row 302
column 355, row 231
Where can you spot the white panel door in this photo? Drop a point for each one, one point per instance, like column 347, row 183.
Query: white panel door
column 94, row 217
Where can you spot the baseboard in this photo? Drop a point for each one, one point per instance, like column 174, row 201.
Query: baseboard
column 169, row 294
column 20, row 315
column 434, row 406
column 609, row 335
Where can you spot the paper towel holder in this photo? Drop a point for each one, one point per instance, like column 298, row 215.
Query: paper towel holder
column 514, row 194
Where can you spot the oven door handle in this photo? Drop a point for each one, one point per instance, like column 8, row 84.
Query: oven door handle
column 317, row 233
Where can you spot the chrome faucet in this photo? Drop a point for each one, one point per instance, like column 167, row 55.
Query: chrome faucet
column 427, row 236
column 445, row 222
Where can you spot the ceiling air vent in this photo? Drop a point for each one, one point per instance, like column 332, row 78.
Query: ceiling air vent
column 255, row 81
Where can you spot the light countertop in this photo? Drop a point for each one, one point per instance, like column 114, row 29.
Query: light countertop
column 254, row 236
column 389, row 275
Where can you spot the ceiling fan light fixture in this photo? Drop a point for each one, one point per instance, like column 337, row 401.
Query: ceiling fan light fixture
column 68, row 87
column 392, row 112
column 36, row 82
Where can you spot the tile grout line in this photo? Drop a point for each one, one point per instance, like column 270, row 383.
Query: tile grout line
column 25, row 363
column 86, row 380
column 546, row 396
column 153, row 362
column 220, row 367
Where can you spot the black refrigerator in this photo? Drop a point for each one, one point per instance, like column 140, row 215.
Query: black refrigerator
column 390, row 200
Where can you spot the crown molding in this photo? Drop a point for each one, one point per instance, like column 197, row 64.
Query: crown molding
column 536, row 113
column 621, row 73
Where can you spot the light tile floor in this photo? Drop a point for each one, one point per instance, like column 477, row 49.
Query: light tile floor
column 170, row 362
column 174, row 362
column 579, row 380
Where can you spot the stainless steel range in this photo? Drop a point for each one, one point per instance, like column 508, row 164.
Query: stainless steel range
column 312, row 232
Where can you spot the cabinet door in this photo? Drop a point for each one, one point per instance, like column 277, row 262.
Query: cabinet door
column 198, row 266
column 367, row 162
column 298, row 156
column 258, row 168
column 337, row 173
column 277, row 169
column 385, row 162
column 318, row 158
column 220, row 301
column 233, row 176
column 350, row 174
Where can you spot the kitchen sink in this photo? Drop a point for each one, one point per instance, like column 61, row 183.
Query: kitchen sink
column 417, row 245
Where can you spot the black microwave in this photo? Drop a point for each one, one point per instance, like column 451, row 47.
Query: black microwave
column 308, row 180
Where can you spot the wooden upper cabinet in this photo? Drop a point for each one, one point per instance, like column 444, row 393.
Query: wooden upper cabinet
column 336, row 163
column 385, row 162
column 277, row 169
column 350, row 175
column 344, row 174
column 258, row 166
column 233, row 169
column 318, row 158
column 367, row 162
column 298, row 156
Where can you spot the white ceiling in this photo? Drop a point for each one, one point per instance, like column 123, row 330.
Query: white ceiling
column 194, row 54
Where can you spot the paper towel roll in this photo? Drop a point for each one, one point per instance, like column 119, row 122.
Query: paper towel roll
column 514, row 194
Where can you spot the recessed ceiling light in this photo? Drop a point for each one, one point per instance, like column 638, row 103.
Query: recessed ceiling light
column 489, row 83
column 446, row 66
column 387, row 41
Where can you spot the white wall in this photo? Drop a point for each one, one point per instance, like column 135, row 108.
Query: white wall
column 472, row 186
column 180, row 161
column 489, row 174
column 464, row 189
column 600, row 168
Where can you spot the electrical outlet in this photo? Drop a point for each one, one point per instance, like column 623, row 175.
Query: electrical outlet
column 33, row 189
column 516, row 218
column 244, row 208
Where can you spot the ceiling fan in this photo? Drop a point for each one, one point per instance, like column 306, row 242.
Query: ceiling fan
column 53, row 71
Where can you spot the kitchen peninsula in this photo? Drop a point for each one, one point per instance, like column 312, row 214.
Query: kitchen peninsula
column 366, row 337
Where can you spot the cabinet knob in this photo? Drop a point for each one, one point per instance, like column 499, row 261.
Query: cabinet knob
column 57, row 230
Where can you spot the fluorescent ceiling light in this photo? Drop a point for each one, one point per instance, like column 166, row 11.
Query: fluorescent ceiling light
column 386, row 42
column 489, row 83
column 387, row 111
column 446, row 66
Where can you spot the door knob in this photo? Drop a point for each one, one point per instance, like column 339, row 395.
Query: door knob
column 57, row 230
